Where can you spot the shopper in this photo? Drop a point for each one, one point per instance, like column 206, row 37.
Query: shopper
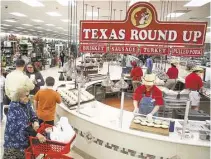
column 17, row 79
column 21, row 123
column 173, row 75
column 45, row 102
column 136, row 74
column 149, row 65
column 62, row 56
column 128, row 64
column 68, row 66
column 35, row 76
column 147, row 98
column 2, row 82
column 194, row 83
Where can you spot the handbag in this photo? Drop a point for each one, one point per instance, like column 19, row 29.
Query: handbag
column 6, row 100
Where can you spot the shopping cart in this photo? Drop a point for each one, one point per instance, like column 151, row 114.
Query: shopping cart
column 49, row 149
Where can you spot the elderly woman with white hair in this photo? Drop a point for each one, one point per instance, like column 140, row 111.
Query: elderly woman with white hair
column 22, row 122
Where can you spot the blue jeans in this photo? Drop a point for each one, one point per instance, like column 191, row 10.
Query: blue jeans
column 126, row 70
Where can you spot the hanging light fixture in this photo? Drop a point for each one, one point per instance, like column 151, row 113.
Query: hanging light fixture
column 121, row 84
column 107, row 82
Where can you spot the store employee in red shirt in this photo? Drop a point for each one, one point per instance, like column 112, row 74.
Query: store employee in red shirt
column 194, row 83
column 172, row 74
column 136, row 74
column 147, row 98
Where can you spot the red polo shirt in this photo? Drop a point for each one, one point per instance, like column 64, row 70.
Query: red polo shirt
column 136, row 73
column 155, row 91
column 172, row 73
column 193, row 81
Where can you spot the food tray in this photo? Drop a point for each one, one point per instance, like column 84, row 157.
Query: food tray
column 74, row 106
column 96, row 77
column 151, row 129
column 70, row 97
column 159, row 131
column 194, row 126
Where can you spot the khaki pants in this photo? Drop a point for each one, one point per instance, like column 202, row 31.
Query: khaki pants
column 170, row 84
column 194, row 98
column 135, row 85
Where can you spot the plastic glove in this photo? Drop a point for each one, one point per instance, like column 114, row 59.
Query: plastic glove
column 136, row 110
column 149, row 116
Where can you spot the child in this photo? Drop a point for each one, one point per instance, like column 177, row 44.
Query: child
column 45, row 101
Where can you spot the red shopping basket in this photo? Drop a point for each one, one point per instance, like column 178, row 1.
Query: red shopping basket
column 52, row 149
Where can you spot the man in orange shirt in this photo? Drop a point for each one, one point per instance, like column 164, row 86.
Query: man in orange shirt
column 45, row 102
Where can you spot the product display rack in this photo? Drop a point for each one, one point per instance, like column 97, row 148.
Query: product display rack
column 8, row 49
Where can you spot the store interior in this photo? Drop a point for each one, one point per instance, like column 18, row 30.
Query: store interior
column 95, row 82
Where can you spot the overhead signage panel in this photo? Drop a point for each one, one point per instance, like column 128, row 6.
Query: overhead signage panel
column 142, row 26
column 93, row 48
column 123, row 49
column 187, row 52
column 154, row 50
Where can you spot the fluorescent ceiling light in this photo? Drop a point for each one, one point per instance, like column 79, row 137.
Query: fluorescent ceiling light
column 54, row 14
column 95, row 14
column 135, row 1
column 174, row 15
column 209, row 33
column 10, row 20
column 38, row 27
column 50, row 24
column 208, row 27
column 25, row 31
column 209, row 17
column 33, row 3
column 59, row 28
column 48, row 30
column 197, row 3
column 39, row 31
column 27, row 24
column 32, row 30
column 65, row 20
column 37, row 20
column 5, row 25
column 18, row 14
column 19, row 27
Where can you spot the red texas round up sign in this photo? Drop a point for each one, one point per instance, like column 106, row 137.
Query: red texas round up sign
column 141, row 26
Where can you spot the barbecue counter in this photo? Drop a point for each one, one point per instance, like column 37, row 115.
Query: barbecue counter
column 99, row 134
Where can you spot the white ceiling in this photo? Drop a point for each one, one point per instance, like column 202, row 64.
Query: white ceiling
column 195, row 14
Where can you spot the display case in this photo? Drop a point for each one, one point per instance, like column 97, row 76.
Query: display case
column 70, row 97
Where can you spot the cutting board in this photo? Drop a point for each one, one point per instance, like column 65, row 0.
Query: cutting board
column 154, row 130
